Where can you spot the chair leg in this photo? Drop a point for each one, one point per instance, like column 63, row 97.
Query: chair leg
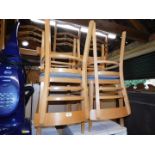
column 91, row 94
column 91, row 97
column 38, row 131
column 121, row 121
column 60, row 130
column 82, row 127
column 89, row 125
column 69, row 107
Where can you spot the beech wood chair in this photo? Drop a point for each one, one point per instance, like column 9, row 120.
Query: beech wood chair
column 63, row 82
column 106, row 84
column 32, row 34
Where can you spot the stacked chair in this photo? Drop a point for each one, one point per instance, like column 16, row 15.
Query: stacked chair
column 66, row 78
column 30, row 32
column 31, row 53
column 107, row 94
column 63, row 81
column 34, row 35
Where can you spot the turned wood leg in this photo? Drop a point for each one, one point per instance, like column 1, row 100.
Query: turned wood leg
column 82, row 127
column 38, row 131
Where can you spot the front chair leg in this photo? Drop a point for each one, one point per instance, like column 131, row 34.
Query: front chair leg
column 38, row 131
column 121, row 121
column 89, row 125
column 82, row 127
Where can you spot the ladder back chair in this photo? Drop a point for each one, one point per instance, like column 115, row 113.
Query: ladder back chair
column 32, row 34
column 107, row 85
column 63, row 82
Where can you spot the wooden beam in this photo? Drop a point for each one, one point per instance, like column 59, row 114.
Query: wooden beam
column 138, row 25
column 112, row 27
column 135, row 50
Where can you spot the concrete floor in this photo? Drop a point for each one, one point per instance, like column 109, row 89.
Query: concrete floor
column 98, row 128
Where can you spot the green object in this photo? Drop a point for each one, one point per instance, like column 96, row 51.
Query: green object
column 134, row 83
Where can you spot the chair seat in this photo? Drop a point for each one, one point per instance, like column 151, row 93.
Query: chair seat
column 103, row 77
column 63, row 75
column 78, row 76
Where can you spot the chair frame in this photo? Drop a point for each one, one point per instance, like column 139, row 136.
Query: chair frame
column 124, row 106
column 42, row 117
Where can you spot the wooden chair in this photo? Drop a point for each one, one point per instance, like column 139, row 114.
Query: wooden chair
column 31, row 53
column 32, row 34
column 106, row 85
column 64, row 81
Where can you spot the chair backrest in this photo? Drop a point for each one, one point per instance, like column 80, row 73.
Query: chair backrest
column 107, row 84
column 102, row 46
column 67, row 43
column 30, row 33
column 33, row 35
column 70, row 40
column 102, row 52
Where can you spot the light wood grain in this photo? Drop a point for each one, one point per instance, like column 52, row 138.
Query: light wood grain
column 107, row 89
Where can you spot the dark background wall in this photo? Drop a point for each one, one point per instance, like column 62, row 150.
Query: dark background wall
column 142, row 67
column 142, row 119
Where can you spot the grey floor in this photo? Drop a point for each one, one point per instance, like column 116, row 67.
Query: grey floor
column 98, row 128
